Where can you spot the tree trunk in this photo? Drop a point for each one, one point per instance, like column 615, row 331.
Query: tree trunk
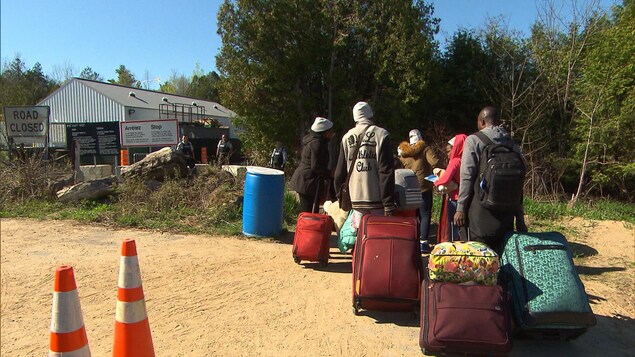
column 575, row 197
column 585, row 160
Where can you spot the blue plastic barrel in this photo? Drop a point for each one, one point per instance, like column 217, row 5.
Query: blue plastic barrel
column 263, row 201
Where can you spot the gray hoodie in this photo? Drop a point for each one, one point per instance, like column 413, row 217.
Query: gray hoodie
column 470, row 162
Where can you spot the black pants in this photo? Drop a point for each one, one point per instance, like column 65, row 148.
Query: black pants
column 190, row 162
column 306, row 202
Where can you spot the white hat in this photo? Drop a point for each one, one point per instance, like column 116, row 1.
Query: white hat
column 362, row 111
column 451, row 141
column 414, row 135
column 321, row 124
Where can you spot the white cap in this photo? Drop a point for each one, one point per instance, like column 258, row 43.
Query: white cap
column 321, row 124
column 362, row 111
column 414, row 135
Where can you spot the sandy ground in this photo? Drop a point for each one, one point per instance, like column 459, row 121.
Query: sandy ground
column 230, row 296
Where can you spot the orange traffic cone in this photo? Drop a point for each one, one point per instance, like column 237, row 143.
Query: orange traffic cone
column 132, row 329
column 68, row 335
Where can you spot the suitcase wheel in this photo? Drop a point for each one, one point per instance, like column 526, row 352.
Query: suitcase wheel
column 324, row 263
column 296, row 260
column 357, row 305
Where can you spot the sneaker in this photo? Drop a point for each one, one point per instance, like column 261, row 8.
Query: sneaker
column 425, row 247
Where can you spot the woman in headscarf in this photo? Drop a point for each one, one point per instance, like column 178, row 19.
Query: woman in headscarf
column 313, row 169
column 448, row 183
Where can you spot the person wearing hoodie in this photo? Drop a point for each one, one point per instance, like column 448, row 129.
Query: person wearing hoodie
column 448, row 182
column 313, row 169
column 420, row 158
column 372, row 181
column 484, row 225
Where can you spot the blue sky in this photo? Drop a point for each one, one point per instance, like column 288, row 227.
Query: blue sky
column 161, row 37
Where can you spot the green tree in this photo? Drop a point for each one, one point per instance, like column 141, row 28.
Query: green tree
column 19, row 86
column 125, row 78
column 604, row 98
column 176, row 84
column 283, row 63
column 205, row 86
column 88, row 73
column 461, row 81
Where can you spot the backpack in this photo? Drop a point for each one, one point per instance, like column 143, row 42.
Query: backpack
column 501, row 176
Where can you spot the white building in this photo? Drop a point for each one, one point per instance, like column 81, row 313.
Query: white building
column 82, row 101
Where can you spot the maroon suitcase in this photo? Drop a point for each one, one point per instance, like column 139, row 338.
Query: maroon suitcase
column 311, row 239
column 464, row 319
column 387, row 264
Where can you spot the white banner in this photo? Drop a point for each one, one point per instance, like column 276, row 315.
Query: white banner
column 27, row 121
column 149, row 133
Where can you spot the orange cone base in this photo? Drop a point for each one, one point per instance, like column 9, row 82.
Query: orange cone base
column 134, row 340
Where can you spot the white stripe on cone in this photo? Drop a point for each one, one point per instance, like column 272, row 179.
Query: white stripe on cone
column 82, row 352
column 66, row 314
column 129, row 273
column 131, row 312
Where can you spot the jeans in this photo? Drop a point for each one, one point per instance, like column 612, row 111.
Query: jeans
column 425, row 212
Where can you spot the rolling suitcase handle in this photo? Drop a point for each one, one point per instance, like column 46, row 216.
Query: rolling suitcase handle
column 316, row 201
column 316, row 207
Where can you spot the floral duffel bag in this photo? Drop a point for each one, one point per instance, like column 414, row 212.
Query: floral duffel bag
column 459, row 262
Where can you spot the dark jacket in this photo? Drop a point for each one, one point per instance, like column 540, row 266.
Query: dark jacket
column 313, row 164
column 485, row 226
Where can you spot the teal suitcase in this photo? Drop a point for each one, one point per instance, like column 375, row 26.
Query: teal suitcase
column 547, row 296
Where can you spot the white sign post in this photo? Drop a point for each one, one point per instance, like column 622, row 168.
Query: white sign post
column 27, row 121
column 149, row 133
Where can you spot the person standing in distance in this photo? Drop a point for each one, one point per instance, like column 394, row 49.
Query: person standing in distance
column 224, row 150
column 313, row 169
column 484, row 225
column 372, row 178
column 278, row 157
column 186, row 147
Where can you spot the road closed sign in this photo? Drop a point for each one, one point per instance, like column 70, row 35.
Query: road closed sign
column 149, row 133
column 26, row 121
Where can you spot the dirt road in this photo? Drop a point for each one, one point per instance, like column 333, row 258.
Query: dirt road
column 230, row 296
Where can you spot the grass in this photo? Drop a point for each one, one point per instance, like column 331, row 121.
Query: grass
column 595, row 210
column 211, row 203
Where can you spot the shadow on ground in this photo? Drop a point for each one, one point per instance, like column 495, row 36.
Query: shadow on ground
column 582, row 270
column 408, row 318
column 582, row 250
column 612, row 336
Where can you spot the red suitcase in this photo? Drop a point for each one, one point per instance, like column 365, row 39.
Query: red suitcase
column 387, row 264
column 464, row 319
column 311, row 239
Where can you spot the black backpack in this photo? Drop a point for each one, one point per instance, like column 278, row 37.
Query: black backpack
column 501, row 176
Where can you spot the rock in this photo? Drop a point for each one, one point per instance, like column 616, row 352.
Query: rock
column 56, row 185
column 157, row 166
column 153, row 185
column 89, row 190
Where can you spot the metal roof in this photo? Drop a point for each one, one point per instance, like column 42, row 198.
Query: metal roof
column 85, row 101
column 130, row 97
